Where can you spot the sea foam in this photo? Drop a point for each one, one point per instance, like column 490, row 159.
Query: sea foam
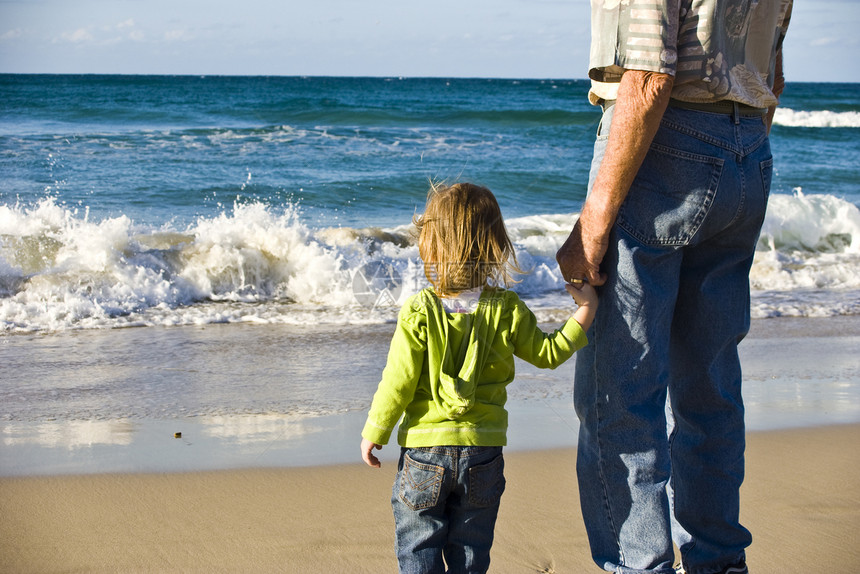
column 816, row 119
column 255, row 263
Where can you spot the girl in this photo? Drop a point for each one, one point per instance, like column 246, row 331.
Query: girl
column 451, row 357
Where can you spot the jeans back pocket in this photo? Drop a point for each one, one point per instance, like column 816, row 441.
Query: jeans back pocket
column 487, row 482
column 670, row 197
column 420, row 483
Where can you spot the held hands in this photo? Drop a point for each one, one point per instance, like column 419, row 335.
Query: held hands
column 581, row 254
column 367, row 453
column 583, row 293
column 586, row 297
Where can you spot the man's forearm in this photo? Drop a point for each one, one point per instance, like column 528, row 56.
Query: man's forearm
column 779, row 75
column 778, row 87
column 642, row 100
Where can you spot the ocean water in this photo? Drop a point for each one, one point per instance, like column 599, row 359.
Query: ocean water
column 257, row 232
column 162, row 201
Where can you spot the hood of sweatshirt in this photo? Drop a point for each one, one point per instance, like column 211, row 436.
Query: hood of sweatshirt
column 456, row 380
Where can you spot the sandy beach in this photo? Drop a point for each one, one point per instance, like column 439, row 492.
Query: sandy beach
column 285, row 492
column 801, row 499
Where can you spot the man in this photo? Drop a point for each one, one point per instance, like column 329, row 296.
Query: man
column 677, row 195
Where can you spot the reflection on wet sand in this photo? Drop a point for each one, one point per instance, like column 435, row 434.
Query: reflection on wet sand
column 69, row 435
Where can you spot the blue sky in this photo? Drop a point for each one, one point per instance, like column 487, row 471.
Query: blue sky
column 484, row 38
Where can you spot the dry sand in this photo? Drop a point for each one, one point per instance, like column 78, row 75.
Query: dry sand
column 801, row 500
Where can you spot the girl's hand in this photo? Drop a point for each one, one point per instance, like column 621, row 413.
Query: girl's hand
column 367, row 453
column 586, row 297
column 582, row 293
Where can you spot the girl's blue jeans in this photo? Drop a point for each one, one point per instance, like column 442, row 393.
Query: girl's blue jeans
column 671, row 315
column 445, row 501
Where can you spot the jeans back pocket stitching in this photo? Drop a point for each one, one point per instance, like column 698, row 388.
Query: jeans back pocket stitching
column 433, row 482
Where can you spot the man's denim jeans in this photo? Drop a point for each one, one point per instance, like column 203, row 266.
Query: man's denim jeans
column 674, row 308
column 445, row 501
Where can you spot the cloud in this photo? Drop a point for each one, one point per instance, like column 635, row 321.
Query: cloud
column 104, row 36
column 177, row 36
column 77, row 36
column 11, row 34
column 118, row 26
column 823, row 41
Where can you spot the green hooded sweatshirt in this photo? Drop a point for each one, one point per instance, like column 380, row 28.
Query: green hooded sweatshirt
column 447, row 373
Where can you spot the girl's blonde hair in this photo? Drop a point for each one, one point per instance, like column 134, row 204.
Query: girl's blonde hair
column 462, row 239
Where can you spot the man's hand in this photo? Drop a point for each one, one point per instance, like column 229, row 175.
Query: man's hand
column 580, row 256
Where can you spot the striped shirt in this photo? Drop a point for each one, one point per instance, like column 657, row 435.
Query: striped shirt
column 715, row 49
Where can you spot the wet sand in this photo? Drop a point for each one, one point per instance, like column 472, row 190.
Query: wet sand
column 279, row 491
